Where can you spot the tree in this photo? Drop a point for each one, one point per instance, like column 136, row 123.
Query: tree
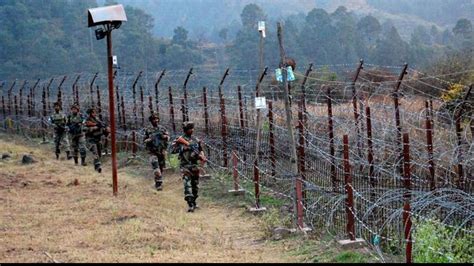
column 391, row 50
column 370, row 28
column 463, row 27
column 180, row 36
column 250, row 16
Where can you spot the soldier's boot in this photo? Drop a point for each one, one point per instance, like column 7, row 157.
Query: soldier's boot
column 190, row 206
column 158, row 185
column 57, row 156
column 83, row 161
column 68, row 155
column 97, row 166
column 76, row 160
column 159, row 182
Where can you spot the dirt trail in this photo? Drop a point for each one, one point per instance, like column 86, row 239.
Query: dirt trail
column 45, row 216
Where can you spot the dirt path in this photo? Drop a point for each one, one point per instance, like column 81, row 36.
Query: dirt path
column 45, row 216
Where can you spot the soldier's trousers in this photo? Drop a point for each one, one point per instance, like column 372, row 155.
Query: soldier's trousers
column 61, row 139
column 157, row 161
column 191, row 183
column 92, row 145
column 78, row 144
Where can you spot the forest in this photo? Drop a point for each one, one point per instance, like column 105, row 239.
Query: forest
column 44, row 38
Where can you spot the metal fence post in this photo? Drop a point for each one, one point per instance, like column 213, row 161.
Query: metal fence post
column 407, row 196
column 350, row 196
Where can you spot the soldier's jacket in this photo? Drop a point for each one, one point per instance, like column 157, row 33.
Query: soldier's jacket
column 58, row 120
column 188, row 157
column 158, row 135
column 96, row 130
column 75, row 124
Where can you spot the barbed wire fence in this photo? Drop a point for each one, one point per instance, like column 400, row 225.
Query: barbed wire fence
column 377, row 154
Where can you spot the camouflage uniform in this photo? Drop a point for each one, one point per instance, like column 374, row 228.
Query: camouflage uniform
column 61, row 138
column 94, row 129
column 156, row 141
column 189, row 165
column 78, row 141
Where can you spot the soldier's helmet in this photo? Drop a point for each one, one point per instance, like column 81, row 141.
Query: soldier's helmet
column 188, row 125
column 75, row 106
column 90, row 110
column 153, row 116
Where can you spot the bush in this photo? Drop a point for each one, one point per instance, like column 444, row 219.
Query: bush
column 433, row 244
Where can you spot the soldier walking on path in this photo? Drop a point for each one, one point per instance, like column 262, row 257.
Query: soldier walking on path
column 58, row 120
column 156, row 141
column 75, row 122
column 190, row 152
column 94, row 129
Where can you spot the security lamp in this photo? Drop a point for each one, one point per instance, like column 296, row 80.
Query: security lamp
column 100, row 33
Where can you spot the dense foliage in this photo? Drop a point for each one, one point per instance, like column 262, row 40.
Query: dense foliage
column 40, row 38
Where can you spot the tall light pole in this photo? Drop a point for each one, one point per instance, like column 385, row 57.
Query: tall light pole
column 110, row 18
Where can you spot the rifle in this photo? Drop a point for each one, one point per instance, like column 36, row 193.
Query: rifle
column 194, row 148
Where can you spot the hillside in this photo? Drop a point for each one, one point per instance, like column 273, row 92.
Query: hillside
column 204, row 18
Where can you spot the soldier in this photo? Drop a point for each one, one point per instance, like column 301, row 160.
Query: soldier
column 156, row 141
column 190, row 152
column 94, row 129
column 75, row 122
column 58, row 121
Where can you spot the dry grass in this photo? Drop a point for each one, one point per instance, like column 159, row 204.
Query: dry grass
column 45, row 216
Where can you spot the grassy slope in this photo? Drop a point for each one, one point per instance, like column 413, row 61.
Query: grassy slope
column 44, row 216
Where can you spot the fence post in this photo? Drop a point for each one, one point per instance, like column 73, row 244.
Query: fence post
column 10, row 108
column 134, row 144
column 157, row 84
column 44, row 114
column 91, row 88
column 241, row 108
column 407, row 196
column 460, row 182
column 370, row 151
column 206, row 114
column 183, row 109
column 331, row 140
column 99, row 103
column 224, row 131
column 397, row 118
column 350, row 196
column 301, row 145
column 171, row 110
column 355, row 109
column 271, row 137
column 21, row 97
column 142, row 106
column 33, row 97
column 150, row 104
column 60, row 100
column 429, row 146
column 3, row 109
column 123, row 114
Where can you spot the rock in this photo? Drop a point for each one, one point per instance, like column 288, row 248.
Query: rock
column 6, row 156
column 27, row 159
column 281, row 232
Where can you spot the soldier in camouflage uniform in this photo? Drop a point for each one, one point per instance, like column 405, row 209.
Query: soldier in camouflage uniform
column 190, row 152
column 156, row 141
column 75, row 122
column 58, row 121
column 94, row 129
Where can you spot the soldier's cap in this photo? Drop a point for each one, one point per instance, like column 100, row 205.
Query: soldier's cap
column 90, row 110
column 188, row 125
column 76, row 106
column 153, row 116
column 57, row 104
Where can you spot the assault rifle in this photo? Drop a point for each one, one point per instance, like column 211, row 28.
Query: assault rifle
column 193, row 147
